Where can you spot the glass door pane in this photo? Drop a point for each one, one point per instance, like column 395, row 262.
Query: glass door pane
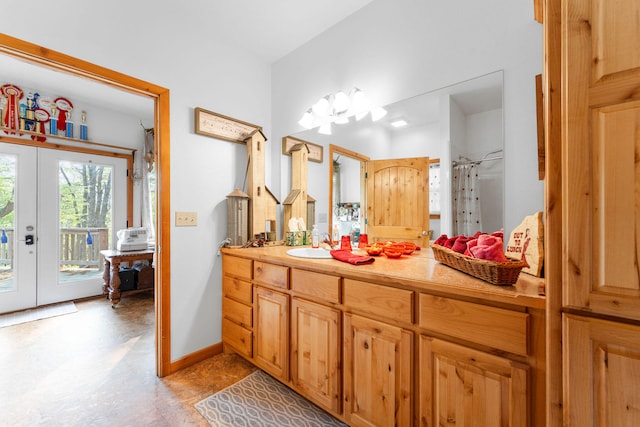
column 18, row 234
column 7, row 220
column 82, row 199
column 85, row 218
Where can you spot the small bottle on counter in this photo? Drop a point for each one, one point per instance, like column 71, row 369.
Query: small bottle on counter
column 315, row 237
column 335, row 235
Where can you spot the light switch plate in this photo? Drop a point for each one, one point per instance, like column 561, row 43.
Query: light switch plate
column 186, row 219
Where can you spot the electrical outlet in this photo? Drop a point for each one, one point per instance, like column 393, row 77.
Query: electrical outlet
column 186, row 219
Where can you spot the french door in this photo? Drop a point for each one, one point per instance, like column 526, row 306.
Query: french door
column 58, row 209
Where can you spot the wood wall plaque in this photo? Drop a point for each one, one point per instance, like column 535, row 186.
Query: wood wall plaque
column 315, row 150
column 218, row 126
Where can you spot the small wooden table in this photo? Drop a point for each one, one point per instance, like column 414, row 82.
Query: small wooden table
column 111, row 276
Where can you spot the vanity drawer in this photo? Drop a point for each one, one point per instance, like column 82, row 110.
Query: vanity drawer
column 392, row 303
column 238, row 267
column 316, row 285
column 237, row 337
column 237, row 289
column 239, row 313
column 491, row 326
column 271, row 275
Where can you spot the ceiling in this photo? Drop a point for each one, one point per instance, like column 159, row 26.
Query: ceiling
column 272, row 30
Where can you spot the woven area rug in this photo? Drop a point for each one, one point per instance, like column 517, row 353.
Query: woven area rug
column 261, row 401
column 37, row 314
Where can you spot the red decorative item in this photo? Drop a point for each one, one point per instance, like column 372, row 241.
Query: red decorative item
column 346, row 256
column 374, row 249
column 64, row 106
column 42, row 117
column 345, row 243
column 12, row 117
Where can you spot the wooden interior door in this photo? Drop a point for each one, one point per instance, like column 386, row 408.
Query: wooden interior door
column 398, row 200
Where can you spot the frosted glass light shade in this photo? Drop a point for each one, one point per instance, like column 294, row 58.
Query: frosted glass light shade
column 378, row 113
column 360, row 103
column 307, row 120
column 340, row 102
column 325, row 129
column 321, row 108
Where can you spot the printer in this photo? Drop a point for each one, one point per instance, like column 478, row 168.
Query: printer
column 132, row 239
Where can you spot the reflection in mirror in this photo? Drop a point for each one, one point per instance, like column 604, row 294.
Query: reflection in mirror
column 462, row 126
column 346, row 189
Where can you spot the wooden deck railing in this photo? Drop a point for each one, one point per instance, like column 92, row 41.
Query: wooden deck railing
column 74, row 250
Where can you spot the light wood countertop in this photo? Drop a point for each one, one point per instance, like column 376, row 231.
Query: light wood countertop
column 418, row 272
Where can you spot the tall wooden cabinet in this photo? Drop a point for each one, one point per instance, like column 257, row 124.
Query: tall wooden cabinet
column 592, row 106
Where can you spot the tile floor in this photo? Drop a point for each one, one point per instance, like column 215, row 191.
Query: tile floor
column 96, row 367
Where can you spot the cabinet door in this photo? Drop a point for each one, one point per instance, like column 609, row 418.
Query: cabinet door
column 377, row 373
column 460, row 386
column 315, row 352
column 602, row 363
column 271, row 332
column 601, row 172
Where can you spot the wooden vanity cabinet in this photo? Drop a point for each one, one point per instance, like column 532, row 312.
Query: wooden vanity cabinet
column 463, row 386
column 237, row 304
column 315, row 353
column 316, row 338
column 271, row 319
column 377, row 373
column 373, row 352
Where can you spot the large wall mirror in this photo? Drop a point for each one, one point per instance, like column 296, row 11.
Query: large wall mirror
column 461, row 125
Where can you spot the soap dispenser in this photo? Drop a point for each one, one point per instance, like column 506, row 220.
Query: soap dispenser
column 315, row 237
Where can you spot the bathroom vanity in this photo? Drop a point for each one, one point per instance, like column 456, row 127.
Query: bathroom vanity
column 405, row 341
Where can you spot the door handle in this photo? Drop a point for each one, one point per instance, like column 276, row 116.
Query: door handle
column 29, row 239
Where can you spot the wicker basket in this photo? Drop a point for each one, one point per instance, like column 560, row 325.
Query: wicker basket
column 497, row 273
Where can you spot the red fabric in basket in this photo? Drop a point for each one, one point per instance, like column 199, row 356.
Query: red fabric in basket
column 489, row 251
column 347, row 256
column 460, row 245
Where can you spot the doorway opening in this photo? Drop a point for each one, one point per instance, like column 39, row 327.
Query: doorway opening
column 44, row 57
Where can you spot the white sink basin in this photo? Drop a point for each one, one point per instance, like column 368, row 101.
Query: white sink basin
column 309, row 253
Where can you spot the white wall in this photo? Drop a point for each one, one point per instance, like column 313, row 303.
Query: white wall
column 395, row 50
column 152, row 41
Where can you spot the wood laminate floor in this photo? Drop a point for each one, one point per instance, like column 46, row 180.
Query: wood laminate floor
column 96, row 367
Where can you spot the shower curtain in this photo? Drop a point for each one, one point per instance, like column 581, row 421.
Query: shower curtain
column 466, row 200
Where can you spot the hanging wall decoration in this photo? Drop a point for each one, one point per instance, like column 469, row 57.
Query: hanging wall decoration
column 218, row 126
column 315, row 150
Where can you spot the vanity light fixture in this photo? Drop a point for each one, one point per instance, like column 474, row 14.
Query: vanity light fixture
column 399, row 123
column 338, row 108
